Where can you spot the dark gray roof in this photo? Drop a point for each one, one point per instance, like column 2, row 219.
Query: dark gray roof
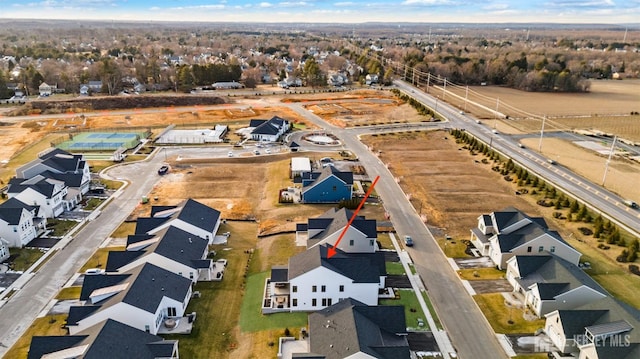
column 293, row 144
column 201, row 263
column 39, row 184
column 548, row 291
column 507, row 217
column 267, row 127
column 50, row 344
column 62, row 161
column 486, row 219
column 16, row 203
column 335, row 220
column 157, row 209
column 147, row 224
column 11, row 215
column 279, row 274
column 77, row 313
column 359, row 267
column 574, row 321
column 180, row 246
column 93, row 282
column 199, row 215
column 118, row 259
column 530, row 264
column 70, row 179
column 108, row 339
column 349, row 327
column 135, row 238
column 618, row 351
column 301, row 227
column 254, row 122
column 328, row 171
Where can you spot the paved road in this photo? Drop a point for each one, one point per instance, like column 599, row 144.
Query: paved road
column 598, row 198
column 469, row 331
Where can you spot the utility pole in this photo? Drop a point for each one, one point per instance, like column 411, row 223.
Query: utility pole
column 495, row 118
column 466, row 97
column 444, row 89
column 606, row 165
column 428, row 80
column 541, row 134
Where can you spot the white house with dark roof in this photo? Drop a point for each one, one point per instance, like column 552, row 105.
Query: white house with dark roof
column 361, row 237
column 268, row 130
column 45, row 89
column 172, row 249
column 20, row 223
column 189, row 215
column 46, row 193
column 312, row 281
column 328, row 185
column 551, row 283
column 504, row 234
column 603, row 329
column 4, row 250
column 143, row 297
column 59, row 162
column 107, row 339
column 352, row 329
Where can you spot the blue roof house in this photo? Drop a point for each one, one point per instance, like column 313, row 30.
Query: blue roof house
column 326, row 186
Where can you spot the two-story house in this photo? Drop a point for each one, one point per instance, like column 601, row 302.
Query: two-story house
column 59, row 162
column 107, row 339
column 20, row 223
column 360, row 237
column 329, row 185
column 268, row 130
column 143, row 297
column 504, row 234
column 171, row 248
column 46, row 193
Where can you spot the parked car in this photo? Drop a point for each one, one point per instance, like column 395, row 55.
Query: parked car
column 163, row 170
column 230, row 154
column 408, row 241
column 256, row 152
column 267, row 151
column 94, row 271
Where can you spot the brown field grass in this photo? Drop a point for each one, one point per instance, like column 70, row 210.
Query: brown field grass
column 627, row 127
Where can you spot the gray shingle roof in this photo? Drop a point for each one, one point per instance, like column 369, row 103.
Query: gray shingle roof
column 349, row 327
column 118, row 259
column 199, row 215
column 328, row 171
column 39, row 184
column 279, row 274
column 548, row 291
column 11, row 215
column 70, row 179
column 359, row 267
column 574, row 321
column 335, row 220
column 108, row 339
column 147, row 224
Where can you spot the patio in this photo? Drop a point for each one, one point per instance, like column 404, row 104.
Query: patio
column 182, row 325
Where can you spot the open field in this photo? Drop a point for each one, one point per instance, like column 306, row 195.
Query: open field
column 607, row 97
column 442, row 190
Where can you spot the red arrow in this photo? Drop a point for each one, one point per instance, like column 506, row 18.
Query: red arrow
column 332, row 250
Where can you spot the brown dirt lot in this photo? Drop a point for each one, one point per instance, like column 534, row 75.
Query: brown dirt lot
column 348, row 114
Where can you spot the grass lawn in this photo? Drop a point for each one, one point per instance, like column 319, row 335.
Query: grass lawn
column 69, row 293
column 453, row 248
column 99, row 258
column 48, row 325
column 110, row 184
column 93, row 203
column 23, row 258
column 385, row 241
column 499, row 315
column 60, row 227
column 125, row 229
column 412, row 310
column 394, row 268
column 481, row 274
column 252, row 320
column 434, row 315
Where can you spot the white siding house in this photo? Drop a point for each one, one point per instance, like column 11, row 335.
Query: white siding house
column 190, row 216
column 16, row 226
column 48, row 194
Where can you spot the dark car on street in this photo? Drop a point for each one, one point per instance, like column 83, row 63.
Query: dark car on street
column 163, row 170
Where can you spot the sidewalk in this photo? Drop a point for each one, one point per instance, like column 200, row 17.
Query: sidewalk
column 441, row 337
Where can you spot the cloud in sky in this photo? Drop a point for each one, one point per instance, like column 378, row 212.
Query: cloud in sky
column 355, row 11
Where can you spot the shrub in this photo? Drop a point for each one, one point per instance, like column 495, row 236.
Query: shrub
column 634, row 269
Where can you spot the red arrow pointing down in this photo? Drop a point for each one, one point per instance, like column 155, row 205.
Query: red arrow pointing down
column 332, row 250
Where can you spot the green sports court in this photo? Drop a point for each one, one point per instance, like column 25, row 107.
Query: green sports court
column 101, row 141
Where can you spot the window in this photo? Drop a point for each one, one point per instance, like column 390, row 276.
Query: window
column 323, row 288
column 342, row 288
column 371, row 242
column 552, row 249
column 146, row 329
column 294, row 289
column 335, row 188
column 294, row 303
column 314, row 302
column 314, row 288
column 329, row 300
column 324, row 302
column 171, row 312
column 190, row 275
column 529, row 249
column 541, row 248
column 351, row 242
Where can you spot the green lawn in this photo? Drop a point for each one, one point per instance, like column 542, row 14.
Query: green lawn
column 412, row 309
column 24, row 258
column 252, row 320
column 69, row 293
column 93, row 203
column 503, row 319
column 453, row 248
column 48, row 325
column 395, row 268
column 434, row 315
column 60, row 227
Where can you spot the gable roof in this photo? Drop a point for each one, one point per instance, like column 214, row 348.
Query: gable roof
column 11, row 215
column 507, row 217
column 15, row 203
column 359, row 267
column 349, row 327
column 335, row 220
column 147, row 224
column 37, row 183
column 107, row 339
column 330, row 171
column 272, row 126
column 199, row 215
column 574, row 321
column 118, row 259
column 69, row 178
column 178, row 245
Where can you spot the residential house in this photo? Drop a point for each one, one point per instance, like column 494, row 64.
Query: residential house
column 268, row 130
column 172, row 248
column 603, row 329
column 313, row 281
column 299, row 165
column 337, row 79
column 59, row 162
column 371, row 79
column 143, row 297
column 504, row 234
column 107, row 339
column 20, row 223
column 45, row 90
column 352, row 329
column 4, row 250
column 361, row 237
column 46, row 193
column 227, row 85
column 551, row 283
column 189, row 215
column 329, row 185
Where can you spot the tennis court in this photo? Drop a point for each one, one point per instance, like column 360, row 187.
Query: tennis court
column 101, row 141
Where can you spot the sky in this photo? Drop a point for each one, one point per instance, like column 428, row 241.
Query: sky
column 335, row 11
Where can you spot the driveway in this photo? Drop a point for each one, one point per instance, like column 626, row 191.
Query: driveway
column 491, row 286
